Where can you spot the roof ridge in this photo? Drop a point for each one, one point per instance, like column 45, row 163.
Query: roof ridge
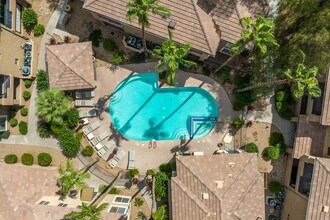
column 90, row 2
column 202, row 26
column 323, row 164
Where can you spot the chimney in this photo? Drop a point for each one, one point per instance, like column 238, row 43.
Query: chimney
column 325, row 208
column 219, row 184
column 205, row 195
column 171, row 25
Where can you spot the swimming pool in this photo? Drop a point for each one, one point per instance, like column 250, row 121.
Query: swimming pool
column 141, row 111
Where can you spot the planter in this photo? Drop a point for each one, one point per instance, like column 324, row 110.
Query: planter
column 67, row 8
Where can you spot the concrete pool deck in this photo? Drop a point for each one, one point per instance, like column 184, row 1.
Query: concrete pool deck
column 147, row 158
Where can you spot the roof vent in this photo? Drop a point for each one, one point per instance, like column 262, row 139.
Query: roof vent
column 231, row 164
column 171, row 24
column 205, row 195
column 219, row 184
column 325, row 208
column 230, row 175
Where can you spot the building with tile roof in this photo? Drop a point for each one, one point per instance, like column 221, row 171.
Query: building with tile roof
column 226, row 186
column 71, row 66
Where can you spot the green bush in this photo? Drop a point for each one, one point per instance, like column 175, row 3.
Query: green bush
column 71, row 117
column 118, row 58
column 95, row 37
column 224, row 73
column 23, row 127
column 29, row 18
column 114, row 191
column 275, row 187
column 287, row 114
column 138, row 202
column 42, row 82
column 44, row 159
column 69, row 142
column 137, row 58
column 161, row 213
column 13, row 122
column 44, row 130
column 4, row 134
column 150, row 172
column 38, row 30
column 109, row 45
column 24, row 111
column 243, row 99
column 26, row 95
column 161, row 187
column 275, row 138
column 132, row 173
column 27, row 159
column 272, row 152
column 88, row 151
column 10, row 159
column 167, row 167
column 241, row 81
column 238, row 122
column 280, row 96
column 206, row 71
column 27, row 83
column 252, row 148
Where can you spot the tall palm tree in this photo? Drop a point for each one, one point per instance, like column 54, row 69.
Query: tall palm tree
column 71, row 178
column 302, row 80
column 172, row 55
column 259, row 32
column 140, row 9
column 89, row 212
column 52, row 104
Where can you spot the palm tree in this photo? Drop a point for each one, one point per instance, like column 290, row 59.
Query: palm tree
column 172, row 56
column 51, row 105
column 89, row 212
column 259, row 32
column 301, row 80
column 140, row 9
column 71, row 178
column 161, row 213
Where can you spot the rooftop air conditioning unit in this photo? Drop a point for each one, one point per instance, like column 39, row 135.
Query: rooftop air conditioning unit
column 325, row 208
column 205, row 195
column 219, row 184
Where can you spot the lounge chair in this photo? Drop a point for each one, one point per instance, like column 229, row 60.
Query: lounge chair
column 118, row 157
column 106, row 148
column 87, row 114
column 131, row 159
column 86, row 94
column 99, row 138
column 84, row 103
column 91, row 128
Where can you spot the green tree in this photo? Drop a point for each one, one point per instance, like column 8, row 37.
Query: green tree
column 71, row 178
column 140, row 9
column 52, row 105
column 89, row 212
column 161, row 187
column 301, row 80
column 260, row 32
column 42, row 82
column 172, row 57
column 161, row 213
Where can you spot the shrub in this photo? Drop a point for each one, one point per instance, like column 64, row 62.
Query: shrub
column 161, row 187
column 272, row 152
column 243, row 99
column 42, row 82
column 27, row 159
column 29, row 18
column 167, row 167
column 24, row 111
column 280, row 96
column 206, row 71
column 27, row 83
column 275, row 138
column 38, row 30
column 109, row 45
column 13, row 122
column 150, row 172
column 23, row 127
column 224, row 73
column 10, row 159
column 5, row 134
column 119, row 58
column 71, row 117
column 161, row 213
column 138, row 202
column 95, row 37
column 88, row 151
column 238, row 122
column 69, row 142
column 287, row 114
column 132, row 173
column 252, row 148
column 26, row 95
column 44, row 130
column 137, row 58
column 114, row 191
column 275, row 187
column 240, row 81
column 44, row 159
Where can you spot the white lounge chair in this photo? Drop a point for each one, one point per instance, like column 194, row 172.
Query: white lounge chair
column 87, row 114
column 86, row 94
column 106, row 148
column 118, row 157
column 99, row 138
column 131, row 159
column 91, row 128
column 84, row 103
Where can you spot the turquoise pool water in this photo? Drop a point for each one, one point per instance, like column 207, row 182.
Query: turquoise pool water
column 141, row 111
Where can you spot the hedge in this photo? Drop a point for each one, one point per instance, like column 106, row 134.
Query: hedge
column 42, row 82
column 10, row 159
column 24, row 111
column 44, row 159
column 275, row 187
column 161, row 187
column 69, row 142
column 71, row 117
column 252, row 148
column 88, row 151
column 27, row 83
column 23, row 128
column 44, row 130
column 27, row 159
column 13, row 122
column 26, row 95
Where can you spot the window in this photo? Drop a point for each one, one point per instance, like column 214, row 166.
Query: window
column 3, row 122
column 43, row 203
column 328, row 151
column 118, row 209
column 62, row 205
column 18, row 18
column 226, row 49
column 121, row 199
